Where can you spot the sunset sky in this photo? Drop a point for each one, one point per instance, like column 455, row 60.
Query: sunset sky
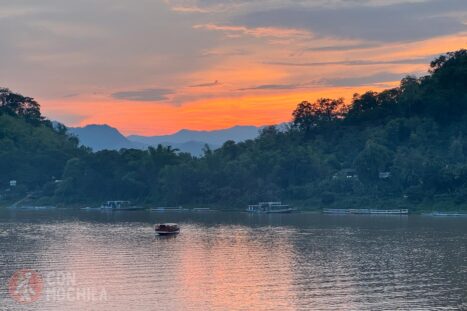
column 157, row 66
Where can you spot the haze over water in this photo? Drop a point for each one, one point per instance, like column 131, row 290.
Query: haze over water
column 237, row 261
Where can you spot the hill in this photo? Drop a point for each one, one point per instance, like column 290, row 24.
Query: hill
column 105, row 137
column 402, row 147
column 32, row 152
column 100, row 137
column 213, row 138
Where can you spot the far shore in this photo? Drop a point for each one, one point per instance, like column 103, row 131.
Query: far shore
column 413, row 210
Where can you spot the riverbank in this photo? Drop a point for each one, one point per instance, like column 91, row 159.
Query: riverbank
column 442, row 204
column 427, row 205
column 413, row 210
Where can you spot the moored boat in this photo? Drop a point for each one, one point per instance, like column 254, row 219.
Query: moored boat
column 120, row 206
column 269, row 208
column 167, row 229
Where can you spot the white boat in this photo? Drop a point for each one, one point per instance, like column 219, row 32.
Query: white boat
column 120, row 206
column 167, row 229
column 269, row 208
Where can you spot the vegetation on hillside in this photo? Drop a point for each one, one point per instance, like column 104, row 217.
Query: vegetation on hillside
column 32, row 151
column 404, row 146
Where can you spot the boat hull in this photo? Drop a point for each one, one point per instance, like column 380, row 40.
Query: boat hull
column 136, row 208
column 278, row 211
column 160, row 232
column 270, row 208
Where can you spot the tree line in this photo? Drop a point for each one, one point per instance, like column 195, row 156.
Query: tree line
column 402, row 147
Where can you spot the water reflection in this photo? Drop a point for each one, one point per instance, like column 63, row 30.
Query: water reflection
column 232, row 270
column 236, row 261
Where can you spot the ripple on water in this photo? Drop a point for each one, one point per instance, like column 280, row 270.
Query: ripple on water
column 305, row 263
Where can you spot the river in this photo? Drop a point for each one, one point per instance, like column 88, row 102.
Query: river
column 94, row 260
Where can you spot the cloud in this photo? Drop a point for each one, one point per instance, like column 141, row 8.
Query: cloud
column 146, row 95
column 235, row 6
column 422, row 60
column 144, row 52
column 188, row 9
column 379, row 77
column 376, row 78
column 71, row 95
column 254, row 31
column 106, row 45
column 388, row 23
column 356, row 46
column 208, row 6
column 68, row 118
column 209, row 84
column 272, row 87
column 223, row 53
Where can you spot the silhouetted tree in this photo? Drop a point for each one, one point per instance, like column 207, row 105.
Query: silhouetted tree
column 18, row 105
column 307, row 117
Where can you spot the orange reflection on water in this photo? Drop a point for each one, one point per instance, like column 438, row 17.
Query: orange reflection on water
column 237, row 271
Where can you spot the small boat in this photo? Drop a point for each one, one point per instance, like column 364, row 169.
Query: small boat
column 167, row 229
column 120, row 206
column 270, row 208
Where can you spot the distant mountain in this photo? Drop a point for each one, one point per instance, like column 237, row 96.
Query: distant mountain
column 216, row 137
column 100, row 137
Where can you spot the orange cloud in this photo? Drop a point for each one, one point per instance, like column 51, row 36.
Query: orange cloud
column 270, row 91
column 154, row 119
column 255, row 31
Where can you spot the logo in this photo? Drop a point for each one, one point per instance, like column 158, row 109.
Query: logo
column 25, row 286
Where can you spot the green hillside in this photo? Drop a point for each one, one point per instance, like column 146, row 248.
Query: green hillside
column 403, row 147
column 32, row 152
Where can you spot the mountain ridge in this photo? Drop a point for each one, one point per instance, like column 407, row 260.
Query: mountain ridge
column 105, row 137
column 215, row 137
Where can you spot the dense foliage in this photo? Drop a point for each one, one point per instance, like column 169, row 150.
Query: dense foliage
column 404, row 146
column 32, row 152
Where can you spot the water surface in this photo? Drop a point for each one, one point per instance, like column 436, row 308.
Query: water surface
column 235, row 261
